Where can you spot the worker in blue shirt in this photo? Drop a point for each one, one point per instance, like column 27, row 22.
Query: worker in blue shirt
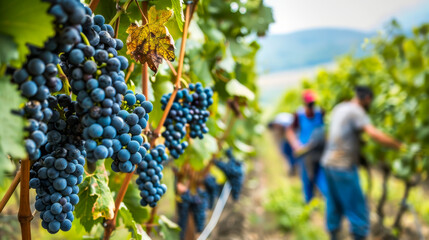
column 308, row 119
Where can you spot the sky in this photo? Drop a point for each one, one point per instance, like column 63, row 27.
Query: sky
column 364, row 15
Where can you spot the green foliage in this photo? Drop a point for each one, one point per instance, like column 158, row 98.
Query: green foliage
column 11, row 126
column 96, row 201
column 8, row 49
column 21, row 20
column 137, row 232
column 178, row 12
column 169, row 229
column 292, row 213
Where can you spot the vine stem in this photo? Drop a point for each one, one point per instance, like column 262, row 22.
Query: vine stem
column 93, row 4
column 120, row 11
column 110, row 224
column 130, row 70
column 10, row 190
column 172, row 68
column 157, row 131
column 177, row 84
column 24, row 214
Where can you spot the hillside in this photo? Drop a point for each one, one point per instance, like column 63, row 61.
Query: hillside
column 307, row 48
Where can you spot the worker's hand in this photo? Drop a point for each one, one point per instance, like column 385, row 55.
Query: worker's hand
column 297, row 146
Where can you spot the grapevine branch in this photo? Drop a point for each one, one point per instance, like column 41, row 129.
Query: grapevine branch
column 111, row 223
column 10, row 190
column 172, row 68
column 93, row 4
column 177, row 84
column 157, row 131
column 24, row 213
column 130, row 70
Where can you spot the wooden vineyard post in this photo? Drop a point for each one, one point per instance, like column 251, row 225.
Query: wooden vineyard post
column 24, row 214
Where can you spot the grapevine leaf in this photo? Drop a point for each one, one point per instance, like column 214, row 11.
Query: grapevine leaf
column 26, row 25
column 105, row 205
column 8, row 49
column 169, row 229
column 152, row 42
column 235, row 88
column 178, row 13
column 11, row 126
column 96, row 199
column 129, row 222
column 87, row 199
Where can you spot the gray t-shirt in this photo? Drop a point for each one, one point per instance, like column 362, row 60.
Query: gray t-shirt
column 343, row 144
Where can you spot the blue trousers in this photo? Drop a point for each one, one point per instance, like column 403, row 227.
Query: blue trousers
column 345, row 198
column 318, row 180
column 288, row 152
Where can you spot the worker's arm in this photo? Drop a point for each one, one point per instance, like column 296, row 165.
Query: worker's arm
column 381, row 137
column 292, row 139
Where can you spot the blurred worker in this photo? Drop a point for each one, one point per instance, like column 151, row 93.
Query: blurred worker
column 340, row 159
column 278, row 126
column 306, row 120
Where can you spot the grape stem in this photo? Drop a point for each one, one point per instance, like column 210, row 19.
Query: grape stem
column 64, row 79
column 120, row 11
column 24, row 214
column 10, row 190
column 130, row 70
column 172, row 68
column 141, row 12
column 85, row 40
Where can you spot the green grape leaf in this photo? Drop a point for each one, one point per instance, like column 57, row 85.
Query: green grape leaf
column 235, row 88
column 96, row 199
column 125, row 215
column 11, row 126
column 178, row 13
column 8, row 49
column 27, row 22
column 87, row 199
column 169, row 229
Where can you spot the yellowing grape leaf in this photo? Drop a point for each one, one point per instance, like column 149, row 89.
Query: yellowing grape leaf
column 152, row 42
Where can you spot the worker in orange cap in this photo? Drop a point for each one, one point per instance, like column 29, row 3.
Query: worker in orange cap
column 308, row 120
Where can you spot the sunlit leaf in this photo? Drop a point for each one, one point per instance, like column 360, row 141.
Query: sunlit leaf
column 152, row 42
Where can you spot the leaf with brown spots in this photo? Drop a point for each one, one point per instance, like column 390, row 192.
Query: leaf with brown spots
column 152, row 42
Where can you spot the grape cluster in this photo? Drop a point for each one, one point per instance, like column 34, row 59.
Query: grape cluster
column 128, row 145
column 96, row 78
column 234, row 171
column 150, row 175
column 57, row 173
column 188, row 108
column 197, row 204
column 212, row 189
column 62, row 132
